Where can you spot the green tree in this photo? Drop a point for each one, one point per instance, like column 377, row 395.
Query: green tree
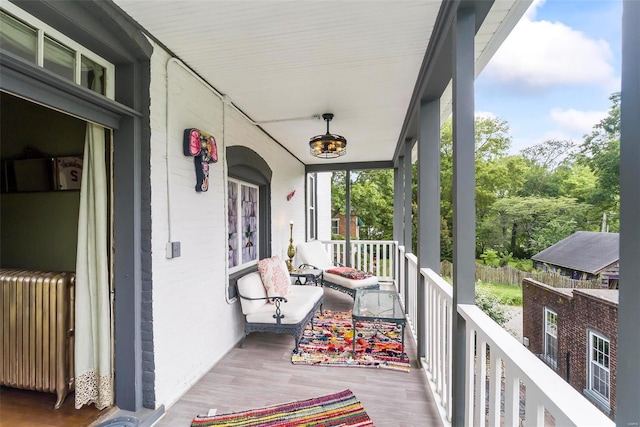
column 601, row 153
column 371, row 201
column 523, row 220
column 496, row 173
column 549, row 154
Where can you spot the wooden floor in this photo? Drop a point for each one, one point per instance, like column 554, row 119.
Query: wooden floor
column 24, row 408
column 257, row 375
column 261, row 374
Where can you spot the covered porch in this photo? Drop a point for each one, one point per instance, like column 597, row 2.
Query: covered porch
column 391, row 72
column 472, row 370
column 261, row 374
column 504, row 381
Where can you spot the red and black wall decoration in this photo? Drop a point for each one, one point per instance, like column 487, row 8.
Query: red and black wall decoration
column 202, row 147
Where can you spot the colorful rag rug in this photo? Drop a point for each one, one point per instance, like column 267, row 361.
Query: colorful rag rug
column 378, row 344
column 340, row 409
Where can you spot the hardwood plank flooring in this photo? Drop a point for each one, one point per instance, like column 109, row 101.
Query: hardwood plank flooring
column 26, row 408
column 261, row 374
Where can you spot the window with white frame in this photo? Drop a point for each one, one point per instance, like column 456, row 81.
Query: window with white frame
column 243, row 214
column 599, row 374
column 31, row 39
column 311, row 203
column 551, row 337
column 335, row 226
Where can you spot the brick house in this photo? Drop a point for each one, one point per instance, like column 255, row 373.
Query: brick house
column 584, row 255
column 575, row 331
column 339, row 225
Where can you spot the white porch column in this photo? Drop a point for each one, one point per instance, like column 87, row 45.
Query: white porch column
column 463, row 201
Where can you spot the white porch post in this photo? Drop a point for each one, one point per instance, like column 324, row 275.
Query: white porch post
column 628, row 374
column 463, row 203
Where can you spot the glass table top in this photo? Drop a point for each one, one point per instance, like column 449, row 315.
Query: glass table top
column 375, row 304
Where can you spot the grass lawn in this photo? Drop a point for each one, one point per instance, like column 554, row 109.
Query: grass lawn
column 506, row 294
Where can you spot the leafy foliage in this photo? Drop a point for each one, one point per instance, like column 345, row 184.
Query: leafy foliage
column 490, row 304
column 524, row 202
column 371, row 201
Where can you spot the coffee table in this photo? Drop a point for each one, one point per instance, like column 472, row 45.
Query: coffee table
column 310, row 275
column 375, row 305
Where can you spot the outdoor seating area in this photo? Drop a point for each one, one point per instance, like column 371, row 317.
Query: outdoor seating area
column 343, row 279
column 390, row 397
column 271, row 304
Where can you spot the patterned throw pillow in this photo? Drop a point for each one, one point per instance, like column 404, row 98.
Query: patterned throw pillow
column 350, row 273
column 275, row 276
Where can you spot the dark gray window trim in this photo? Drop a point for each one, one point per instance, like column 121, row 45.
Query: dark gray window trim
column 24, row 79
column 247, row 165
column 107, row 31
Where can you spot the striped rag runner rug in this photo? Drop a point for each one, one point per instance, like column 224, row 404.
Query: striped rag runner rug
column 340, row 409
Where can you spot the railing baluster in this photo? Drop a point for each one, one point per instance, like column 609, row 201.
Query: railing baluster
column 534, row 411
column 480, row 382
column 468, row 389
column 511, row 398
column 495, row 386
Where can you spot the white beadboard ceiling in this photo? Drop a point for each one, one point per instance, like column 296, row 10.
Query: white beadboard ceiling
column 279, row 60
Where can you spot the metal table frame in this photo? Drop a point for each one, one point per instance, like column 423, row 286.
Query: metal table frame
column 378, row 313
column 310, row 275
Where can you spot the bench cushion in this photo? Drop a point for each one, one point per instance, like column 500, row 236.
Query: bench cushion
column 300, row 301
column 350, row 283
column 313, row 253
column 350, row 273
column 250, row 286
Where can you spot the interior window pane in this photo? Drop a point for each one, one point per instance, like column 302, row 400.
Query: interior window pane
column 59, row 59
column 233, row 224
column 18, row 38
column 92, row 75
column 249, row 223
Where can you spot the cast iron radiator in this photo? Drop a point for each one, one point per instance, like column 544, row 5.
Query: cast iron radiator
column 36, row 337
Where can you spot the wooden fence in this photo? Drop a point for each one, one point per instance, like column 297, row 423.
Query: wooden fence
column 512, row 276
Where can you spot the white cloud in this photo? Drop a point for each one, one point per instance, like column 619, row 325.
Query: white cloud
column 576, row 121
column 542, row 54
column 533, row 9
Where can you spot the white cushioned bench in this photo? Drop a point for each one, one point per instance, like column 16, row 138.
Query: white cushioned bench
column 313, row 254
column 288, row 314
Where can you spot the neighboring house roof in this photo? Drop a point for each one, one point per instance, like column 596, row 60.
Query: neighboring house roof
column 586, row 251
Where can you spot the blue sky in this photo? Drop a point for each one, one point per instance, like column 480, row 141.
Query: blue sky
column 553, row 75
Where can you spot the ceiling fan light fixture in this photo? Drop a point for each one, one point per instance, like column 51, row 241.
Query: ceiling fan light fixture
column 328, row 146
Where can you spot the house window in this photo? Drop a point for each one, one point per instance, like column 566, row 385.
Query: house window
column 312, row 211
column 335, row 226
column 551, row 337
column 243, row 212
column 599, row 375
column 33, row 40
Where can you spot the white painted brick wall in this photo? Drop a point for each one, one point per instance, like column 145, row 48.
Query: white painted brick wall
column 194, row 326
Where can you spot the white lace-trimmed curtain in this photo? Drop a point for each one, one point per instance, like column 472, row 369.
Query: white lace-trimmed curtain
column 93, row 353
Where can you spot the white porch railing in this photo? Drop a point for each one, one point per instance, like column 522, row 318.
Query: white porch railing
column 515, row 387
column 379, row 257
